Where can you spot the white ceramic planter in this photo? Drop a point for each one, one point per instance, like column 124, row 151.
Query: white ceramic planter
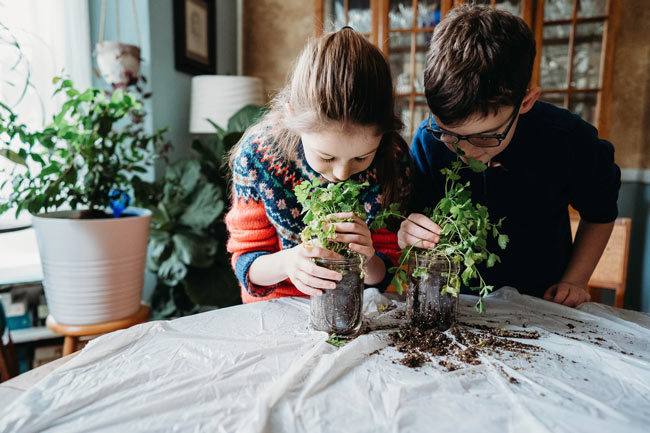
column 118, row 63
column 93, row 269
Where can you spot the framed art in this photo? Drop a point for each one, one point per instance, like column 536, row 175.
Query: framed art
column 195, row 36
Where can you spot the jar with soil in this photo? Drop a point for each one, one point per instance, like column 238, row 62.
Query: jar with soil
column 339, row 310
column 425, row 306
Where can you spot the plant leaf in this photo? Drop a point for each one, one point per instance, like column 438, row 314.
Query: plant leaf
column 194, row 250
column 476, row 165
column 13, row 157
column 206, row 206
column 245, row 117
column 503, row 241
column 172, row 270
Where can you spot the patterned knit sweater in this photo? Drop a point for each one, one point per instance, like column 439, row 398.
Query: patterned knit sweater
column 265, row 216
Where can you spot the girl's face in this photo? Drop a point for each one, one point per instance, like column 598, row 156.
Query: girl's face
column 337, row 154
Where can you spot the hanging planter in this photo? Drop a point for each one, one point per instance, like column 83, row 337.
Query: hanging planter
column 118, row 63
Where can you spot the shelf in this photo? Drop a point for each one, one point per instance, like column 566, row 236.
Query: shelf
column 29, row 335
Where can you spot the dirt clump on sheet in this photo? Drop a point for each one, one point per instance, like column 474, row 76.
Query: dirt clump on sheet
column 461, row 346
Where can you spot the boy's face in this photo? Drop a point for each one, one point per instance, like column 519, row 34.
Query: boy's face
column 492, row 124
column 478, row 125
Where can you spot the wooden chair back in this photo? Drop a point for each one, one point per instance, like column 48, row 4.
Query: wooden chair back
column 611, row 270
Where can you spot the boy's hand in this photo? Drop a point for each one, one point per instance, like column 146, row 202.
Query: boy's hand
column 418, row 230
column 567, row 293
column 355, row 233
column 308, row 277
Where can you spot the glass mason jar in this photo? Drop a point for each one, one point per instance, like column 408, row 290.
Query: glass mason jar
column 425, row 306
column 339, row 310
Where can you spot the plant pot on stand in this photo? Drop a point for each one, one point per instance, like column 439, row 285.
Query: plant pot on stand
column 93, row 268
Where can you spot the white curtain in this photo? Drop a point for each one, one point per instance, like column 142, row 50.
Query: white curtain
column 54, row 36
column 54, row 40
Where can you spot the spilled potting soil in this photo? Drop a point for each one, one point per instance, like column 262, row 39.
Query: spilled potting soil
column 462, row 346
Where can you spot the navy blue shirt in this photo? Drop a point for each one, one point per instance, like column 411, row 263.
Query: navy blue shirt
column 554, row 159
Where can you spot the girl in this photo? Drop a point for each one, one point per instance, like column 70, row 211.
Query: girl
column 334, row 120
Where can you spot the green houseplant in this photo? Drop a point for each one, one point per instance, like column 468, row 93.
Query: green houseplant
column 74, row 176
column 336, row 311
column 432, row 278
column 187, row 247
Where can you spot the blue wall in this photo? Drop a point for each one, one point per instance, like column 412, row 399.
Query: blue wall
column 170, row 103
column 634, row 202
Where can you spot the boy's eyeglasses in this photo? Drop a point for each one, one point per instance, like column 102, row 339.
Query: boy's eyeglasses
column 478, row 140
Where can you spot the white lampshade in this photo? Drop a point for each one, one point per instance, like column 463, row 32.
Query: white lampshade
column 218, row 97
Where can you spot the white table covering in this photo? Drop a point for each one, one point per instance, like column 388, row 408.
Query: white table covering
column 258, row 368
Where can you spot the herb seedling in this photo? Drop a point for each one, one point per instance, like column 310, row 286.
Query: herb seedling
column 336, row 340
column 336, row 311
column 463, row 240
column 319, row 202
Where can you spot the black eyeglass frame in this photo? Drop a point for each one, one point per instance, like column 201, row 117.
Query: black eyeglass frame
column 499, row 137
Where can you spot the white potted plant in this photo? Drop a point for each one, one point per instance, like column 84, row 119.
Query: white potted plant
column 92, row 246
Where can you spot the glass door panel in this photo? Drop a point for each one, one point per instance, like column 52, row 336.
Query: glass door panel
column 586, row 57
column 555, row 57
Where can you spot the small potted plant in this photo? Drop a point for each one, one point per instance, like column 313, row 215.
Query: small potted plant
column 337, row 311
column 432, row 278
column 74, row 176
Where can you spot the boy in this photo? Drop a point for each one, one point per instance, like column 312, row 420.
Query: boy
column 541, row 158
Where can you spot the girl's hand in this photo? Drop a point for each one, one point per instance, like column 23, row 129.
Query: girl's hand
column 567, row 293
column 418, row 230
column 355, row 233
column 308, row 277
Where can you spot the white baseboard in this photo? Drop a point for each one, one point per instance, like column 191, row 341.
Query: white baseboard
column 631, row 175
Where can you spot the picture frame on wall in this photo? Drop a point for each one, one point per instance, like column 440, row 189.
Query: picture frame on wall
column 195, row 50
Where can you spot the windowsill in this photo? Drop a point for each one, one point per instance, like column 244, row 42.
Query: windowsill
column 19, row 259
column 9, row 223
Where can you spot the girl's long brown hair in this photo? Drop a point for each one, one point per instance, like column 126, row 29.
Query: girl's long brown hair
column 339, row 80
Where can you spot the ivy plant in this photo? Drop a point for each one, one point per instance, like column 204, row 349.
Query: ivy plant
column 466, row 227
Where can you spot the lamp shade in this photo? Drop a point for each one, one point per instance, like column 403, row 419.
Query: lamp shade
column 218, row 97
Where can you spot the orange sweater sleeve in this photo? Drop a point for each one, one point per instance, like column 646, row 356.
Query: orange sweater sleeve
column 250, row 229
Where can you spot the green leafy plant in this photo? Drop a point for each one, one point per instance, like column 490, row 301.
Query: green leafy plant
column 187, row 246
column 465, row 229
column 336, row 340
column 184, row 241
column 319, row 202
column 94, row 145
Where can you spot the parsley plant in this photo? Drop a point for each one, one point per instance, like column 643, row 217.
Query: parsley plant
column 465, row 229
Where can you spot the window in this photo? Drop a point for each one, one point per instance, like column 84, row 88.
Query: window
column 38, row 41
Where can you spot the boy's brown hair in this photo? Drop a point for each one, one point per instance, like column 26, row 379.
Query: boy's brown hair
column 479, row 60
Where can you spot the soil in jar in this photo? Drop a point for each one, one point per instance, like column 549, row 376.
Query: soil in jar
column 426, row 307
column 339, row 311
